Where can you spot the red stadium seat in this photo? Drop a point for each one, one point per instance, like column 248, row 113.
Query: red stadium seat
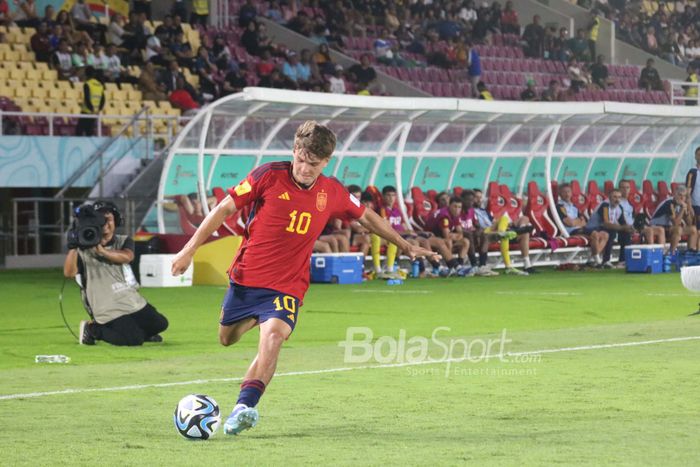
column 663, row 191
column 595, row 197
column 650, row 197
column 458, row 190
column 608, row 187
column 579, row 198
column 554, row 186
column 536, row 210
column 636, row 198
column 514, row 205
column 496, row 203
column 421, row 206
column 376, row 196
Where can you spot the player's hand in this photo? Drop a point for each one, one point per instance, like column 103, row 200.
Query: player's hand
column 181, row 262
column 415, row 251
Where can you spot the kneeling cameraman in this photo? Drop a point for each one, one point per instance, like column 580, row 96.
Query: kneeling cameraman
column 120, row 315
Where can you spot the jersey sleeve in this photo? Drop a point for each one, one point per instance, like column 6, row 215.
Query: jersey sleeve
column 348, row 207
column 249, row 189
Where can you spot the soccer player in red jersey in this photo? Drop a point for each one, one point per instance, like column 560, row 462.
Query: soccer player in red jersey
column 291, row 204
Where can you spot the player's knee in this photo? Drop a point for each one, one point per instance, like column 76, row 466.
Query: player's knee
column 276, row 337
column 226, row 339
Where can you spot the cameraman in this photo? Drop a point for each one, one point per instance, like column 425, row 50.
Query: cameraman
column 120, row 315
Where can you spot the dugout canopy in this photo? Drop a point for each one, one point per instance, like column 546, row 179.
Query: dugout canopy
column 432, row 143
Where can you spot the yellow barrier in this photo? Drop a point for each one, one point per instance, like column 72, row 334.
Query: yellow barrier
column 213, row 259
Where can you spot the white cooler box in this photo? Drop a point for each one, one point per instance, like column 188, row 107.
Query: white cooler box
column 155, row 272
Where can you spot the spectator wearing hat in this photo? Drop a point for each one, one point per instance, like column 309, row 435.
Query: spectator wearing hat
column 529, row 93
column 337, row 83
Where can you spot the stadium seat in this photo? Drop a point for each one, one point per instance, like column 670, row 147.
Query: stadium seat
column 595, row 197
column 663, row 191
column 608, row 186
column 421, row 207
column 537, row 210
column 650, row 197
column 636, row 198
column 579, row 199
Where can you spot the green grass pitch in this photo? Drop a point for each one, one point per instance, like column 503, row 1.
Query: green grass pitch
column 587, row 402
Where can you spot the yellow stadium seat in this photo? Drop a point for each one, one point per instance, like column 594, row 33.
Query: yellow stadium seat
column 21, row 91
column 3, row 29
column 25, row 65
column 17, row 74
column 34, row 75
column 13, row 83
column 55, row 93
column 4, row 74
column 64, row 85
column 111, row 87
column 134, row 95
column 73, row 94
column 27, row 56
column 11, row 56
column 19, row 47
column 118, row 95
column 41, row 66
column 4, row 46
column 39, row 92
column 49, row 75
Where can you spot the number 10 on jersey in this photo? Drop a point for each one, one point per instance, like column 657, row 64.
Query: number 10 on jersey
column 299, row 223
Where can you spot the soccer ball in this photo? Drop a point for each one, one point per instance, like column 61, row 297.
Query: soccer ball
column 197, row 417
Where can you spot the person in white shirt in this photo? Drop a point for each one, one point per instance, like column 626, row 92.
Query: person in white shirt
column 337, row 83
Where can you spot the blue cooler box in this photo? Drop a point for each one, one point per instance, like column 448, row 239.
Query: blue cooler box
column 337, row 268
column 645, row 258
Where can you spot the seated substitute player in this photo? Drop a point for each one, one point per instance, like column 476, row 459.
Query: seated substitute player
column 676, row 217
column 270, row 273
column 478, row 238
column 359, row 236
column 390, row 211
column 575, row 224
column 120, row 315
column 444, row 223
column 609, row 217
column 505, row 231
column 651, row 233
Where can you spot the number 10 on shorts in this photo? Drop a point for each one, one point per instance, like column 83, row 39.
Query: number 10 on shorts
column 287, row 303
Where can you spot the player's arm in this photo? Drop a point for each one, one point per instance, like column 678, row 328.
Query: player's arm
column 376, row 224
column 212, row 222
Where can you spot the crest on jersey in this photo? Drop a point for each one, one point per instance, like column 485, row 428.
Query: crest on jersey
column 242, row 188
column 321, row 201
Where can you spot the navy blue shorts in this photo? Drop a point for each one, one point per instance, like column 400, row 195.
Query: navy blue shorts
column 243, row 302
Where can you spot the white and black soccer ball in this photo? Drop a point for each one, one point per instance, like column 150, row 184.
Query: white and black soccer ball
column 197, row 417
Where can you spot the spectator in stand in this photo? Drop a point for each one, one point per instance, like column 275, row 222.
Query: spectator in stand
column 363, row 72
column 552, row 93
column 533, row 35
column 56, row 35
column 93, row 103
column 322, row 59
column 181, row 99
column 549, row 46
column 473, row 67
column 276, row 80
column 82, row 16
column 484, row 93
column 148, row 83
column 235, row 80
column 170, row 76
column 82, row 57
column 250, row 40
column 117, row 35
column 292, row 70
column 593, row 28
column 222, row 55
column 179, row 9
column 143, row 7
column 182, row 52
column 336, row 81
column 652, row 45
column 62, row 61
column 165, row 31
column 649, row 78
column 509, row 20
column 5, row 17
column 26, row 16
column 49, row 16
column 560, row 46
column 273, row 13
column 41, row 45
column 599, row 73
column 247, row 13
column 579, row 46
column 529, row 93
column 200, row 13
column 691, row 92
column 578, row 77
column 137, row 29
column 154, row 51
column 265, row 66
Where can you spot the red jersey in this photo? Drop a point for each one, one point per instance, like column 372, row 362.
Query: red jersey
column 284, row 223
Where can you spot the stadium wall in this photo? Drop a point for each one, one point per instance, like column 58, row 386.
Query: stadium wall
column 48, row 161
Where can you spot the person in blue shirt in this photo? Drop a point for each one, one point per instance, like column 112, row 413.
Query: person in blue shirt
column 677, row 218
column 473, row 67
column 575, row 223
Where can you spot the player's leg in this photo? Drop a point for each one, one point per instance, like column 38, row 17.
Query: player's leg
column 524, row 242
column 376, row 247
column 331, row 240
column 361, row 241
column 322, row 247
column 675, row 237
column 692, row 232
column 343, row 241
column 273, row 333
column 232, row 333
column 502, row 228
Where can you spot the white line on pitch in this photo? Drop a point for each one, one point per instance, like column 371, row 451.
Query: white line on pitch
column 671, row 295
column 342, row 369
column 538, row 293
column 394, row 291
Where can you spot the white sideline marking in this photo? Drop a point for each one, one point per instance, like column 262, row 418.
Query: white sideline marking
column 540, row 293
column 342, row 369
column 671, row 295
column 394, row 291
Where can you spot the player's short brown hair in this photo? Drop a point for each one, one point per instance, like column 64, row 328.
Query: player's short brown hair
column 315, row 138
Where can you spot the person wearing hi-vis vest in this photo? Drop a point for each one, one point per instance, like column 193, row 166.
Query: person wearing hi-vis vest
column 93, row 103
column 691, row 92
column 200, row 12
column 593, row 28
